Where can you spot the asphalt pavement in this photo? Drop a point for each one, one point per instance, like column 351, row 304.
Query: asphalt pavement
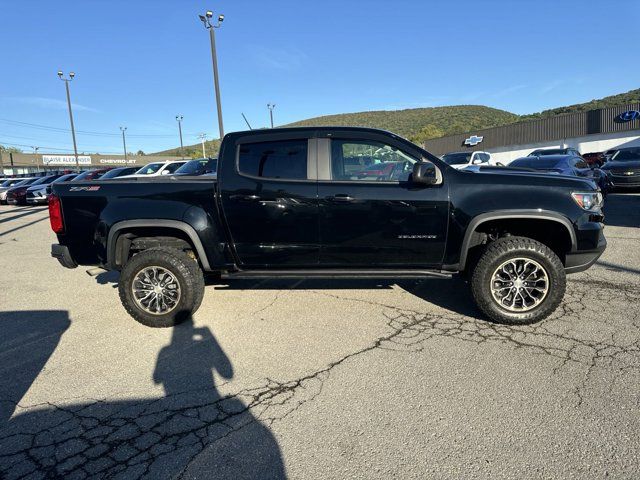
column 316, row 378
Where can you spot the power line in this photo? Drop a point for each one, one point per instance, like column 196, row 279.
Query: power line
column 64, row 150
column 86, row 132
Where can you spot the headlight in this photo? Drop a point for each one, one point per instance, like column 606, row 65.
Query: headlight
column 588, row 200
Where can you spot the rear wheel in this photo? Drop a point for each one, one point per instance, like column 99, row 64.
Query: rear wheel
column 161, row 287
column 518, row 281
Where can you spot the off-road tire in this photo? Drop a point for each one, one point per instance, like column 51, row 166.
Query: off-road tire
column 502, row 250
column 183, row 267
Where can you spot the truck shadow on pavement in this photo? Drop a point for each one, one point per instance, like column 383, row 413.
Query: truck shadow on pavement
column 192, row 431
column 622, row 210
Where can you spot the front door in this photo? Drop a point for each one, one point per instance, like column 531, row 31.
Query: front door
column 269, row 198
column 371, row 215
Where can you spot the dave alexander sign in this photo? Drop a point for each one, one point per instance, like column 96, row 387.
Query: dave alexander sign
column 65, row 160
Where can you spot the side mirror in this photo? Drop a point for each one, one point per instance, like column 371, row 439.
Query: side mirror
column 165, row 172
column 477, row 161
column 425, row 173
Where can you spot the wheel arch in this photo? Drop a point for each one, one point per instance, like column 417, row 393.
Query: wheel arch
column 506, row 215
column 119, row 229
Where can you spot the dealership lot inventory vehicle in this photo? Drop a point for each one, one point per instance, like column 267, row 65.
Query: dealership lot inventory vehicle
column 156, row 169
column 37, row 192
column 283, row 205
column 17, row 194
column 6, row 185
column 623, row 169
column 564, row 165
column 466, row 159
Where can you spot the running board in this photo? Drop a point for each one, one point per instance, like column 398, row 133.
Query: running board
column 337, row 273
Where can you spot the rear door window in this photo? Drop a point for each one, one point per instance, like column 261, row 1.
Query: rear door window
column 286, row 159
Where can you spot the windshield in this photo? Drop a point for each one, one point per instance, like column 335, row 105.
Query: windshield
column 26, row 181
column 626, row 155
column 537, row 163
column 65, row 178
column 550, row 151
column 457, row 158
column 44, row 180
column 149, row 169
column 11, row 182
column 198, row 167
column 117, row 172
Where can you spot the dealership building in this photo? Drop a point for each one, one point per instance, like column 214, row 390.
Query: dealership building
column 20, row 163
column 590, row 131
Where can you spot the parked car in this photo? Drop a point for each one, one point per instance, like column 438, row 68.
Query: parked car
column 623, row 169
column 282, row 206
column 198, row 166
column 464, row 159
column 541, row 152
column 6, row 185
column 564, row 165
column 17, row 195
column 91, row 174
column 118, row 172
column 37, row 192
column 156, row 169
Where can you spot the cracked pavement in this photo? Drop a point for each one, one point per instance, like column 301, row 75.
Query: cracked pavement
column 316, row 378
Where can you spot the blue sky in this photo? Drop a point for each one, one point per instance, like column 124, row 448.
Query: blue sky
column 139, row 63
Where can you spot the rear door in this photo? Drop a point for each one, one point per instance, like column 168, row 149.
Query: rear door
column 370, row 213
column 269, row 195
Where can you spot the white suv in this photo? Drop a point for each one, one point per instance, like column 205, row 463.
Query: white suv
column 461, row 160
column 156, row 169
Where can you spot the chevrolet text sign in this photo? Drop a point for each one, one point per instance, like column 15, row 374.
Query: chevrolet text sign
column 65, row 160
column 116, row 161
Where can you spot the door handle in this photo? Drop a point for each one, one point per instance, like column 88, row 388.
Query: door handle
column 245, row 198
column 341, row 198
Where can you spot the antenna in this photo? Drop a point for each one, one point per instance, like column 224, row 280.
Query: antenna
column 247, row 122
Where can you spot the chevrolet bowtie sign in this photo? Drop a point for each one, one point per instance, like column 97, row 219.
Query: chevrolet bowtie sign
column 473, row 140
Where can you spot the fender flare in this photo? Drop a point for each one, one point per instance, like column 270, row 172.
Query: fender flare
column 505, row 214
column 175, row 224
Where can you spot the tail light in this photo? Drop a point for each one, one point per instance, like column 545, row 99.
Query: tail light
column 55, row 214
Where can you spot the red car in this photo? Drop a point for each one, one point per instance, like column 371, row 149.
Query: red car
column 91, row 174
column 595, row 159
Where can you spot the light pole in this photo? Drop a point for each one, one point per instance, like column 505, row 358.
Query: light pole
column 35, row 152
column 206, row 20
column 202, row 137
column 179, row 119
column 124, row 142
column 73, row 130
column 271, row 106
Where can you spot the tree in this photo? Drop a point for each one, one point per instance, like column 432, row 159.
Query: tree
column 140, row 152
column 425, row 133
column 4, row 149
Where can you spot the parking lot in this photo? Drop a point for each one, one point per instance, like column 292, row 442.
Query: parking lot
column 316, row 378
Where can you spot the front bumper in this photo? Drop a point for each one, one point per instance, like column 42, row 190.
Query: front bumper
column 36, row 200
column 583, row 259
column 62, row 254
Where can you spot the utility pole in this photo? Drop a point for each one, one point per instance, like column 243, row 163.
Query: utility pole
column 179, row 119
column 206, row 20
column 73, row 130
column 35, row 153
column 271, row 106
column 124, row 142
column 202, row 137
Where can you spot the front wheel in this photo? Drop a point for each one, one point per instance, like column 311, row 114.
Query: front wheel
column 161, row 287
column 518, row 281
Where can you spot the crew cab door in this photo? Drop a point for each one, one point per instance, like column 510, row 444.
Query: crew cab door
column 371, row 214
column 269, row 195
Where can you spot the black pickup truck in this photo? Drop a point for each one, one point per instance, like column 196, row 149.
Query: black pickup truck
column 333, row 201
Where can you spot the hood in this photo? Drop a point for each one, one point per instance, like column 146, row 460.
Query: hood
column 532, row 177
column 623, row 165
